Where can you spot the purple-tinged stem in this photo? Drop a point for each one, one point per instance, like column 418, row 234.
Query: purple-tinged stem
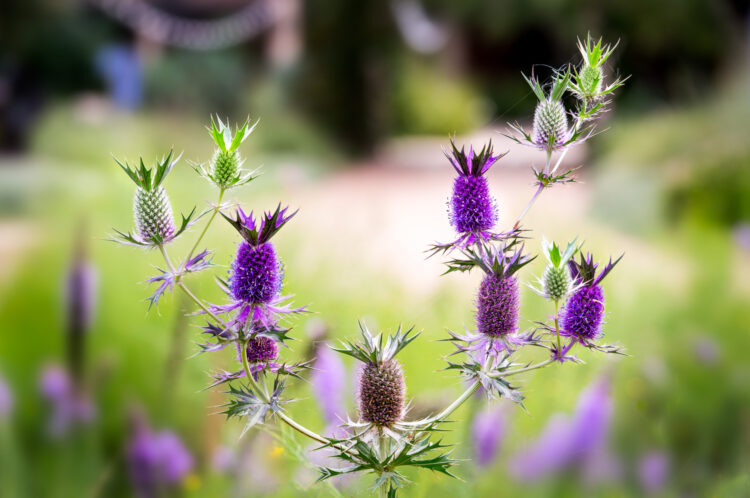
column 531, row 203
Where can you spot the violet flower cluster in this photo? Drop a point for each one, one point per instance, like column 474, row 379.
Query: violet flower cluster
column 382, row 439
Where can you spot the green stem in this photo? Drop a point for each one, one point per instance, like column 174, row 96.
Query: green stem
column 208, row 224
column 529, row 368
column 451, row 408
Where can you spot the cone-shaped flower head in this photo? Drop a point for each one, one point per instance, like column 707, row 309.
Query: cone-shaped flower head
column 381, row 384
column 261, row 349
column 550, row 130
column 588, row 82
column 256, row 273
column 497, row 299
column 556, row 282
column 154, row 220
column 225, row 170
column 472, row 208
column 584, row 311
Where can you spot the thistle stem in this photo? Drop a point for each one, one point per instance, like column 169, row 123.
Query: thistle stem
column 529, row 368
column 531, row 203
column 557, row 325
column 208, row 224
column 451, row 408
column 283, row 416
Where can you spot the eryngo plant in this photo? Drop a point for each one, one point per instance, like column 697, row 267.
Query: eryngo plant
column 382, row 438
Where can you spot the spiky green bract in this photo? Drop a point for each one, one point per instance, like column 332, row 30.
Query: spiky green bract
column 149, row 178
column 502, row 262
column 556, row 282
column 152, row 211
column 225, row 170
column 377, row 349
column 419, row 451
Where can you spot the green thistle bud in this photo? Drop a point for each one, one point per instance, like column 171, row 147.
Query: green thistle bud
column 590, row 80
column 556, row 282
column 225, row 167
column 225, row 170
column 154, row 220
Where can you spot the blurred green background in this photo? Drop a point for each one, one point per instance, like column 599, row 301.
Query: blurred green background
column 356, row 100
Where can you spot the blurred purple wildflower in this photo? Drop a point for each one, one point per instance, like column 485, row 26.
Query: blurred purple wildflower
column 157, row 461
column 488, row 430
column 6, row 400
column 567, row 442
column 653, row 471
column 742, row 236
column 328, row 379
column 68, row 406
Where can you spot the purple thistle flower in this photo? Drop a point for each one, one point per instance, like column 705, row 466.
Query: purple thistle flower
column 6, row 400
column 68, row 406
column 497, row 300
column 472, row 209
column 256, row 275
column 157, row 460
column 328, row 379
column 583, row 313
column 488, row 430
column 381, row 393
column 261, row 350
column 565, row 442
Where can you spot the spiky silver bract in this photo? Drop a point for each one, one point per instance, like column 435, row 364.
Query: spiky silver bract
column 152, row 211
column 588, row 81
column 225, row 170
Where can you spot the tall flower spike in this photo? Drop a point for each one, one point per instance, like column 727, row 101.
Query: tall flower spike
column 225, row 170
column 550, row 131
column 556, row 282
column 152, row 211
column 472, row 209
column 255, row 279
column 381, row 387
column 584, row 311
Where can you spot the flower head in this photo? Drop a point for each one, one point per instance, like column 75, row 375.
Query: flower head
column 68, row 406
column 556, row 282
column 588, row 83
column 550, row 130
column 255, row 279
column 154, row 220
column 472, row 209
column 584, row 311
column 381, row 384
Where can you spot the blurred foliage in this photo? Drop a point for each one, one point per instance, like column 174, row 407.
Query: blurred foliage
column 430, row 102
column 681, row 163
column 208, row 82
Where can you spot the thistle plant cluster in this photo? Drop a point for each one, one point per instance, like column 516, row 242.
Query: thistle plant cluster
column 381, row 438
